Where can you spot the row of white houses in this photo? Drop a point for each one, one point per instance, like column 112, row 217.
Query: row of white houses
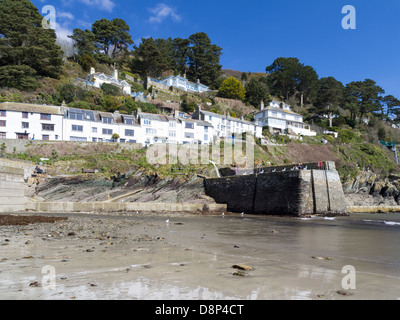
column 43, row 122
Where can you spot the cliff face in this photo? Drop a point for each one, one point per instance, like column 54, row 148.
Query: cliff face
column 130, row 187
column 371, row 189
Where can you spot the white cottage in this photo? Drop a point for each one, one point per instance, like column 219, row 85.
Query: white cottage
column 30, row 121
column 225, row 126
column 98, row 78
column 281, row 120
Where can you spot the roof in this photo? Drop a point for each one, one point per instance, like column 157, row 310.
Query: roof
column 29, row 107
column 88, row 114
column 208, row 113
column 156, row 117
column 279, row 110
column 186, row 80
column 103, row 76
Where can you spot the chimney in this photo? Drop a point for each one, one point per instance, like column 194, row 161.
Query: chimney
column 115, row 74
column 262, row 105
column 198, row 81
column 92, row 71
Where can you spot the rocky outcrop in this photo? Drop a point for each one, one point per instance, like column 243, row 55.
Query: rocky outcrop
column 371, row 189
column 129, row 187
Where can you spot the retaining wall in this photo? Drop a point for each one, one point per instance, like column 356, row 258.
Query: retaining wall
column 12, row 189
column 300, row 192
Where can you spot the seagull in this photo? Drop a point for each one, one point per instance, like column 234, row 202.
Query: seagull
column 242, row 214
column 167, row 221
column 284, row 169
column 223, row 214
column 274, row 170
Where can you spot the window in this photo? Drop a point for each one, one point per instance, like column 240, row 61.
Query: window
column 172, row 124
column 2, row 113
column 205, row 129
column 129, row 133
column 76, row 116
column 189, row 125
column 77, row 128
column 210, row 118
column 2, row 135
column 2, row 123
column 25, row 115
column 147, row 122
column 172, row 134
column 189, row 135
column 206, row 137
column 94, row 139
column 181, row 115
column 132, row 141
column 94, row 130
column 45, row 137
column 45, row 116
column 107, row 131
column 151, row 131
column 77, row 139
column 47, row 127
column 129, row 121
column 107, row 120
column 122, row 140
column 25, row 125
column 56, row 137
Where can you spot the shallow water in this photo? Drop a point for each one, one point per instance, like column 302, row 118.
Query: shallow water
column 292, row 258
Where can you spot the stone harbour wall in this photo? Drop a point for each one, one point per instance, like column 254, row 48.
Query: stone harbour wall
column 299, row 193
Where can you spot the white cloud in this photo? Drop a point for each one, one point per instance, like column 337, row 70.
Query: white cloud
column 162, row 12
column 66, row 15
column 107, row 5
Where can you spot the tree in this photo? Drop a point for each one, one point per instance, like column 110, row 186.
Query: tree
column 84, row 41
column 283, row 76
column 203, row 59
column 27, row 50
column 392, row 105
column 329, row 97
column 180, row 55
column 148, row 60
column 257, row 90
column 231, row 88
column 307, row 84
column 362, row 97
column 112, row 36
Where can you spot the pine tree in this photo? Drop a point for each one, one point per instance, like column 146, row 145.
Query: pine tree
column 26, row 48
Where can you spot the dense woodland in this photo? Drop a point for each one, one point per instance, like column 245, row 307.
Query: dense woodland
column 32, row 61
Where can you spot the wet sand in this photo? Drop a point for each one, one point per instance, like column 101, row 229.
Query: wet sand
column 142, row 256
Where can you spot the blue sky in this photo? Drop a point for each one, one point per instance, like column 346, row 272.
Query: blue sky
column 253, row 33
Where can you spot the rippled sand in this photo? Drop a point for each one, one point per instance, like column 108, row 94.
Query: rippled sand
column 191, row 257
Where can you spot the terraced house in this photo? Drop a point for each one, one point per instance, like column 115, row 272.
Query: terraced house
column 226, row 126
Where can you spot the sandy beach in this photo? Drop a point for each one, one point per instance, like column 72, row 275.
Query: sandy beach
column 172, row 257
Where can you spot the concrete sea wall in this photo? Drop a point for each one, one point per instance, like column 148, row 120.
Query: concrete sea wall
column 102, row 207
column 298, row 192
column 12, row 189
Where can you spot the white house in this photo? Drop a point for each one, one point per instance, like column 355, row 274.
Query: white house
column 160, row 128
column 96, row 126
column 96, row 79
column 225, row 126
column 180, row 83
column 29, row 121
column 280, row 119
